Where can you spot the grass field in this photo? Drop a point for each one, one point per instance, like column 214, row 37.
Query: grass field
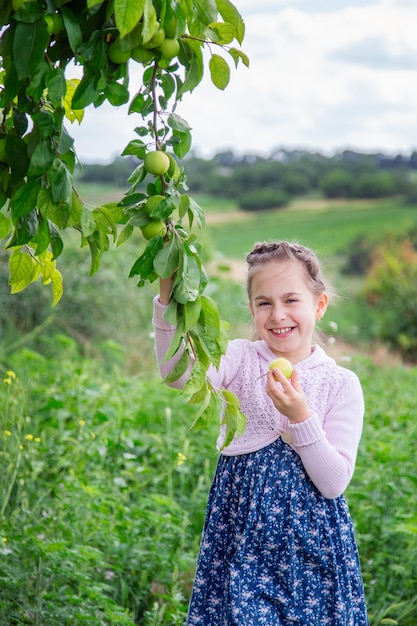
column 328, row 227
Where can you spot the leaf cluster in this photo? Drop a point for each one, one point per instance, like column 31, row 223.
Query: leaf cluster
column 40, row 43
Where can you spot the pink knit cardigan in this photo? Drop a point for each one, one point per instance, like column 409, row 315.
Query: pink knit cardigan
column 327, row 442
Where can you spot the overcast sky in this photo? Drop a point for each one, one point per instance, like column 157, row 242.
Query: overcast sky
column 324, row 75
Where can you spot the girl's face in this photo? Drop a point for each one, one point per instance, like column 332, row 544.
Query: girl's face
column 284, row 309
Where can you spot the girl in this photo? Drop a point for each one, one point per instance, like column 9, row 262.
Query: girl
column 278, row 546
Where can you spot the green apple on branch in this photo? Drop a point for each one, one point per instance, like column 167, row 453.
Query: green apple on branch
column 40, row 97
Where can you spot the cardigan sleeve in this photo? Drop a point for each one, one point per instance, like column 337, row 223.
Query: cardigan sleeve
column 164, row 332
column 328, row 450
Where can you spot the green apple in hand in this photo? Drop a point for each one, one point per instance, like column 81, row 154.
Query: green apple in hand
column 283, row 365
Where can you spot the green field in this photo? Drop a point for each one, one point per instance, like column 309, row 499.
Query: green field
column 329, row 228
column 104, row 484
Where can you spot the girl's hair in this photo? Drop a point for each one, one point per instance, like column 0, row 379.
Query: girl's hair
column 280, row 251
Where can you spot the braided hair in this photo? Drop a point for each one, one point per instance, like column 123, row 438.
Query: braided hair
column 267, row 252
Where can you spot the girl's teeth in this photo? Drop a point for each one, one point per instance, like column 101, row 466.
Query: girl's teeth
column 281, row 331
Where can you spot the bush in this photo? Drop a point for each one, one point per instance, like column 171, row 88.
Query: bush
column 358, row 256
column 374, row 185
column 263, row 199
column 336, row 184
column 390, row 292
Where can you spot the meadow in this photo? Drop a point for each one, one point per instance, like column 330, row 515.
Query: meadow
column 104, row 484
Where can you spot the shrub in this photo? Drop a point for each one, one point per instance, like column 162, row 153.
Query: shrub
column 374, row 185
column 390, row 292
column 263, row 199
column 336, row 184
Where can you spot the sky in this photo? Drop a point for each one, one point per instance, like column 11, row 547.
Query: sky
column 324, row 75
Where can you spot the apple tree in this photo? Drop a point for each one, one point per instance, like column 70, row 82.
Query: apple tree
column 58, row 57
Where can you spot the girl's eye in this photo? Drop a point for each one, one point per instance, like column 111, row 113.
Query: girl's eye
column 263, row 304
column 291, row 300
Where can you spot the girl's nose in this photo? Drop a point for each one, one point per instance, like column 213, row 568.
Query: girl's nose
column 278, row 313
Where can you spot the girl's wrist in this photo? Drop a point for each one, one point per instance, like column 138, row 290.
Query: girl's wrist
column 165, row 289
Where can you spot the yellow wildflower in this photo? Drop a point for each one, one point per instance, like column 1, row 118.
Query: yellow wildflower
column 181, row 458
column 29, row 437
column 7, row 433
column 37, row 439
column 10, row 377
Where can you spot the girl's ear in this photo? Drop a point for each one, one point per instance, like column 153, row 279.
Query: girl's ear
column 321, row 305
column 250, row 307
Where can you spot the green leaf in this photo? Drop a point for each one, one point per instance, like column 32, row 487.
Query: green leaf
column 219, row 71
column 194, row 66
column 177, row 341
column 149, row 20
column 195, row 209
column 144, row 264
column 95, row 255
column 207, row 347
column 25, row 229
column 182, row 143
column 127, row 14
column 136, row 147
column 206, row 11
column 61, row 183
column 56, row 85
column 5, row 225
column 167, row 259
column 59, row 214
column 186, row 290
column 196, row 379
column 125, row 234
column 85, row 93
column 56, row 242
column 208, row 411
column 43, row 236
column 221, row 33
column 233, row 418
column 105, row 221
column 29, row 44
column 116, row 93
column 50, row 275
column 23, row 269
column 173, row 312
column 16, row 150
column 72, row 29
column 231, row 15
column 88, row 224
column 179, row 368
column 201, row 394
column 191, row 312
column 178, row 123
column 238, row 55
column 41, row 159
column 24, row 199
column 211, row 313
column 57, row 288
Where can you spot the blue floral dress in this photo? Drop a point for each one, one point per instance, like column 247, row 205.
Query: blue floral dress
column 274, row 551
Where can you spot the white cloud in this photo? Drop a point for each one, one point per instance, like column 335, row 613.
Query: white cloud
column 341, row 75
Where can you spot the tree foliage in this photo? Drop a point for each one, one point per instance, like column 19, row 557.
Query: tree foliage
column 41, row 41
column 390, row 292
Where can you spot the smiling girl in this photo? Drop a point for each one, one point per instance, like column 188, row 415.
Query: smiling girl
column 278, row 546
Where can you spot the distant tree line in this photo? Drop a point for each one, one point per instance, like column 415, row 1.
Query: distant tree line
column 257, row 182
